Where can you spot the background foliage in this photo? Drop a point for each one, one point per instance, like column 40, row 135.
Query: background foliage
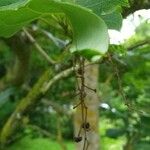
column 124, row 123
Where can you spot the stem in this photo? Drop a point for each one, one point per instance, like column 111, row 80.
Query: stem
column 38, row 47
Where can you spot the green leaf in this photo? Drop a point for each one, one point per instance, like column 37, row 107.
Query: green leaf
column 102, row 6
column 113, row 20
column 142, row 146
column 107, row 9
column 11, row 4
column 89, row 31
column 114, row 132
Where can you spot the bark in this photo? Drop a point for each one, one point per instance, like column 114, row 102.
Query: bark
column 15, row 119
column 128, row 146
column 39, row 89
column 92, row 102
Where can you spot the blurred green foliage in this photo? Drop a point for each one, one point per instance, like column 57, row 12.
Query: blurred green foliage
column 131, row 121
column 28, row 143
column 120, row 125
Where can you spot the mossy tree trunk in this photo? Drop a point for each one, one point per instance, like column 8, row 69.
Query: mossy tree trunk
column 15, row 120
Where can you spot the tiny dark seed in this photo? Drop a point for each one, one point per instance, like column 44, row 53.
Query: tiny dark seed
column 80, row 71
column 78, row 139
column 86, row 125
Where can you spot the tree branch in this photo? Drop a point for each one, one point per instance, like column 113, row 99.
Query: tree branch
column 44, row 83
column 57, row 77
column 27, row 102
column 32, row 97
column 138, row 44
column 38, row 47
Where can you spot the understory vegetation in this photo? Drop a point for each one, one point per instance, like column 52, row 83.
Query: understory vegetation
column 62, row 83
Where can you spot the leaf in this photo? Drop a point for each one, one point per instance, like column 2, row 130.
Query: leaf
column 142, row 146
column 102, row 6
column 113, row 20
column 89, row 31
column 11, row 4
column 114, row 132
column 107, row 9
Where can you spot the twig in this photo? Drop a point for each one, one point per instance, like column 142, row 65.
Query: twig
column 77, row 105
column 41, row 130
column 80, row 72
column 119, row 80
column 38, row 47
column 141, row 43
column 59, row 76
column 130, row 107
column 46, row 80
column 94, row 90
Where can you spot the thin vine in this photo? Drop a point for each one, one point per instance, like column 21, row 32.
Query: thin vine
column 120, row 88
column 80, row 78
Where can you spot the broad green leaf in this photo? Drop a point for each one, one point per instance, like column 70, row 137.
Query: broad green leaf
column 107, row 9
column 113, row 20
column 11, row 4
column 102, row 6
column 89, row 31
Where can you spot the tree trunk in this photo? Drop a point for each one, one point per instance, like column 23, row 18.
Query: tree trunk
column 128, row 146
column 92, row 102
